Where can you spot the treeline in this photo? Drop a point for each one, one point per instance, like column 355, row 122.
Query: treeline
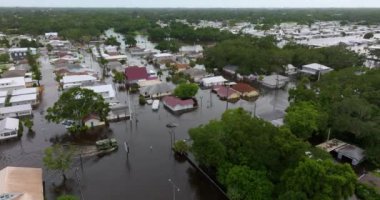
column 255, row 160
column 262, row 55
column 344, row 103
column 86, row 24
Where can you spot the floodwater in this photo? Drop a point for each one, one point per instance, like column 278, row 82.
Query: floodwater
column 144, row 173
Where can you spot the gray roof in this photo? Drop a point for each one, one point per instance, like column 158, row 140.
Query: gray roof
column 13, row 73
column 157, row 89
column 351, row 151
column 194, row 72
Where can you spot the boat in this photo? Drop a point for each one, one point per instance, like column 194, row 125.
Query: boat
column 155, row 104
column 106, row 144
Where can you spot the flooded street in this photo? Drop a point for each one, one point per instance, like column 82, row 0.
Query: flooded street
column 144, row 173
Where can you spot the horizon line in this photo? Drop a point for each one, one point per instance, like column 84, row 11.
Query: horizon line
column 121, row 7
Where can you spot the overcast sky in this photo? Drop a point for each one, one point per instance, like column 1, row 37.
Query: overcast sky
column 193, row 3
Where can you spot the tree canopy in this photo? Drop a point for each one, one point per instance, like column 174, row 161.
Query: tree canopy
column 250, row 155
column 58, row 158
column 76, row 104
column 186, row 90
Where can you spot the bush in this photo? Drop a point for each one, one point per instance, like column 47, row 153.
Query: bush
column 181, row 147
column 142, row 100
column 365, row 192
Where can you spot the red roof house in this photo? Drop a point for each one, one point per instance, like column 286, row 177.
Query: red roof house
column 134, row 73
column 178, row 105
column 245, row 90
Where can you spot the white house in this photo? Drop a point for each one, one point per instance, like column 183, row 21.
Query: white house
column 51, row 35
column 315, row 69
column 2, row 101
column 76, row 80
column 8, row 128
column 24, row 99
column 3, row 93
column 212, row 81
column 20, row 53
column 25, row 91
column 93, row 121
column 16, row 111
column 163, row 57
column 107, row 91
column 10, row 84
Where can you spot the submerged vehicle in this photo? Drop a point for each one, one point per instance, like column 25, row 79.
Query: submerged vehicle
column 106, row 144
column 156, row 104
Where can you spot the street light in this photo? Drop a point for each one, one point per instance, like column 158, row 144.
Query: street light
column 175, row 187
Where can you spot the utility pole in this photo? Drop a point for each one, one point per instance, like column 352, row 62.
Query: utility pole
column 175, row 188
column 78, row 182
column 228, row 88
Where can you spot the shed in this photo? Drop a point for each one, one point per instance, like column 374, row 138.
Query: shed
column 354, row 153
column 178, row 105
column 315, row 69
column 245, row 90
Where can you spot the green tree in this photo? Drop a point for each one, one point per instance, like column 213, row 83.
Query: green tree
column 58, row 158
column 320, row 180
column 186, row 90
column 368, row 35
column 130, row 40
column 304, row 119
column 103, row 63
column 28, row 123
column 245, row 183
column 112, row 41
column 49, row 47
column 75, row 104
column 67, row 197
column 4, row 58
column 118, row 77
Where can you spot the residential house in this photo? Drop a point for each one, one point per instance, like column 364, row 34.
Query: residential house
column 177, row 105
column 290, row 69
column 274, row 81
column 181, row 67
column 10, row 84
column 226, row 93
column 25, row 91
column 315, row 69
column 213, row 81
column 93, row 121
column 20, row 53
column 77, row 81
column 30, row 99
column 344, row 150
column 164, row 57
column 107, row 91
column 8, row 128
column 231, row 71
column 157, row 90
column 196, row 74
column 118, row 111
column 245, row 90
column 51, row 35
column 2, row 101
column 16, row 111
column 134, row 74
column 195, row 51
column 144, row 83
column 22, row 183
column 13, row 73
column 137, row 51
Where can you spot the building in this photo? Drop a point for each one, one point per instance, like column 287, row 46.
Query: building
column 246, row 91
column 93, row 121
column 163, row 57
column 14, row 73
column 107, row 91
column 157, row 90
column 20, row 53
column 196, row 74
column 51, row 35
column 290, row 69
column 10, row 84
column 274, row 81
column 213, row 81
column 22, row 183
column 181, row 67
column 8, row 128
column 134, row 74
column 16, row 111
column 77, row 81
column 24, row 99
column 226, row 93
column 118, row 111
column 137, row 51
column 25, row 91
column 315, row 69
column 344, row 150
column 177, row 105
column 2, row 101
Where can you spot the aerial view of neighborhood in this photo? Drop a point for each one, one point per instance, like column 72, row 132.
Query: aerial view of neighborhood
column 195, row 100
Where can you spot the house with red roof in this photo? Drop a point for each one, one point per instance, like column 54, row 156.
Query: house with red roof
column 226, row 93
column 133, row 74
column 245, row 90
column 177, row 105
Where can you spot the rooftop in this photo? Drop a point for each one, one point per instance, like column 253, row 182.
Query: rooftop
column 27, row 181
column 21, row 98
column 14, row 109
column 23, row 91
column 9, row 124
column 102, row 89
column 173, row 101
column 77, row 78
column 136, row 73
